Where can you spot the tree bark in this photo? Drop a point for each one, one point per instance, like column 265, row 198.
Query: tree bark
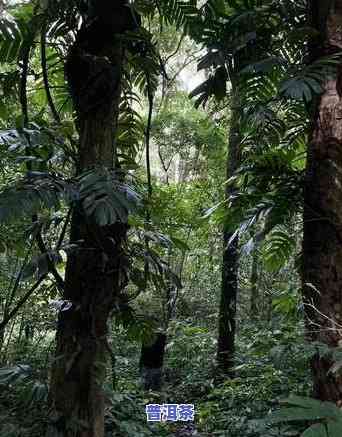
column 95, row 270
column 322, row 248
column 229, row 284
column 2, row 340
column 254, row 286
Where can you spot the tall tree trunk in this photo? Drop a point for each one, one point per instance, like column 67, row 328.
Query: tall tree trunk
column 94, row 272
column 2, row 341
column 227, row 310
column 254, row 286
column 322, row 243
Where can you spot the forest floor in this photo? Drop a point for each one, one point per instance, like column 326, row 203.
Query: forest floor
column 271, row 364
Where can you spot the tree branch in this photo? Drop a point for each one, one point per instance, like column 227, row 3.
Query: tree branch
column 45, row 75
column 21, row 303
column 51, row 265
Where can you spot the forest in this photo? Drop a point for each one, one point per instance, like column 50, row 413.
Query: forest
column 170, row 218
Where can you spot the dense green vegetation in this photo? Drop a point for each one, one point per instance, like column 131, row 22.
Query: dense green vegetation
column 170, row 217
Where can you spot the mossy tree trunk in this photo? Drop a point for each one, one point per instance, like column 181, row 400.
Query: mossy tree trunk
column 95, row 270
column 322, row 243
column 254, row 286
column 229, row 282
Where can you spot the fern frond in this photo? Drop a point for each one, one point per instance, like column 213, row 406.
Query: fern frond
column 215, row 85
column 104, row 198
column 180, row 13
column 30, row 195
column 307, row 82
column 278, row 248
column 11, row 38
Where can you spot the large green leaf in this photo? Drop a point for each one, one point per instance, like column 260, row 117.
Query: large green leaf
column 308, row 81
column 335, row 428
column 302, row 409
column 18, row 373
column 10, row 39
column 29, row 196
column 316, row 430
column 105, row 198
column 180, row 13
column 278, row 248
column 306, row 409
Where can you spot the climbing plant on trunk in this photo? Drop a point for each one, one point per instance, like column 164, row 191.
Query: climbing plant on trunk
column 229, row 283
column 322, row 250
column 95, row 272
